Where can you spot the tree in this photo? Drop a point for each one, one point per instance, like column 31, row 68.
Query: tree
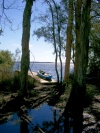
column 69, row 40
column 54, row 32
column 5, row 18
column 75, row 105
column 1, row 31
column 25, row 47
column 78, row 8
column 25, row 38
column 54, row 38
column 17, row 54
column 93, row 72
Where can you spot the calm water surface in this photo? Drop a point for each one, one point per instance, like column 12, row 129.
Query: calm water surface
column 45, row 117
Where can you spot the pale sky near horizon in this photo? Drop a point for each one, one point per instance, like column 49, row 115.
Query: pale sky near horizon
column 11, row 39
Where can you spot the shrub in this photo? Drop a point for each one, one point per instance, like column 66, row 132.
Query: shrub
column 89, row 97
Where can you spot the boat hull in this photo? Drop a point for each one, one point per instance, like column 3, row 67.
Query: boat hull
column 44, row 76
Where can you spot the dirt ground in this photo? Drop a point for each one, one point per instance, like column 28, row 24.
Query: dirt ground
column 9, row 102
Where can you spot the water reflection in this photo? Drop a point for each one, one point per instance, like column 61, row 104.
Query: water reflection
column 24, row 127
column 12, row 125
column 23, row 121
column 46, row 118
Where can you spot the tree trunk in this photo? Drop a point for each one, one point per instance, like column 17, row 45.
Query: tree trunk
column 69, row 40
column 75, row 104
column 84, row 46
column 59, row 40
column 60, row 45
column 54, row 38
column 25, row 47
column 78, row 35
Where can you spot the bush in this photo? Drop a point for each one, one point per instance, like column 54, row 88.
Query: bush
column 6, row 59
column 6, row 78
column 6, row 74
column 90, row 93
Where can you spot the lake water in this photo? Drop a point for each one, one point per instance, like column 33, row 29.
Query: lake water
column 48, row 67
column 45, row 117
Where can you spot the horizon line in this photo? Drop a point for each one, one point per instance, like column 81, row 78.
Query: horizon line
column 42, row 62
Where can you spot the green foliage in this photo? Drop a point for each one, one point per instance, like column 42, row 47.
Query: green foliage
column 11, row 82
column 6, row 64
column 6, row 80
column 47, row 28
column 6, row 59
column 94, row 53
column 91, row 91
column 15, row 84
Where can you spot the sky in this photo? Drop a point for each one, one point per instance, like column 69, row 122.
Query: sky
column 11, row 37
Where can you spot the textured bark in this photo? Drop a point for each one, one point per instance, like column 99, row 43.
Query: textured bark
column 55, row 45
column 78, row 35
column 69, row 40
column 80, row 79
column 25, row 47
column 76, row 101
column 84, row 46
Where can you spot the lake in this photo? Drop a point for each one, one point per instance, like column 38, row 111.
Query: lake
column 48, row 67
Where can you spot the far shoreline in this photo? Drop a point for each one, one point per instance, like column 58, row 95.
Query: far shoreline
column 39, row 62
